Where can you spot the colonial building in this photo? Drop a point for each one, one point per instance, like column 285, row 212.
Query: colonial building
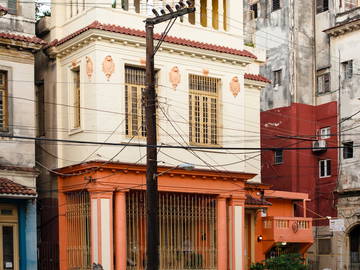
column 208, row 91
column 344, row 35
column 17, row 118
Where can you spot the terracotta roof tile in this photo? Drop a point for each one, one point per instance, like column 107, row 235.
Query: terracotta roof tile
column 30, row 39
column 250, row 200
column 140, row 33
column 256, row 77
column 9, row 187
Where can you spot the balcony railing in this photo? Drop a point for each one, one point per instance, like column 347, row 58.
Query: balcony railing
column 287, row 229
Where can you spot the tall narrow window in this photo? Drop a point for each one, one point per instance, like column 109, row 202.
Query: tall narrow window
column 275, row 5
column 325, row 168
column 323, row 83
column 278, row 156
column 322, row 5
column 347, row 69
column 4, row 112
column 325, row 133
column 348, row 150
column 254, row 9
column 41, row 109
column 76, row 97
column 134, row 109
column 203, row 109
column 12, row 7
column 277, row 78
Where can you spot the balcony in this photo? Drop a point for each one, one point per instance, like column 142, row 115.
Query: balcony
column 213, row 21
column 288, row 230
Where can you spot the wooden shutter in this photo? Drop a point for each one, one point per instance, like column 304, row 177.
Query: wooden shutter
column 12, row 7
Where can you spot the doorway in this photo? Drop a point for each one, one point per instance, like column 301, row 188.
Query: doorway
column 9, row 237
column 354, row 238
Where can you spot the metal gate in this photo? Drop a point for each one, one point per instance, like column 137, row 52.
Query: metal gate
column 187, row 231
column 78, row 230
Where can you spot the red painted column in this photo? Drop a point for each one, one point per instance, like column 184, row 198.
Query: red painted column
column 222, row 241
column 120, row 230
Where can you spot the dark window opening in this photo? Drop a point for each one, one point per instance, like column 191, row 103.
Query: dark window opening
column 322, row 5
column 348, row 150
column 325, row 168
column 277, row 78
column 254, row 9
column 278, row 157
column 323, row 83
column 324, row 246
column 275, row 5
column 347, row 69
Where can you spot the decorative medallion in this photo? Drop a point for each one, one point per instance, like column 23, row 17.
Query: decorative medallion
column 205, row 71
column 142, row 61
column 295, row 227
column 108, row 66
column 174, row 76
column 89, row 66
column 235, row 86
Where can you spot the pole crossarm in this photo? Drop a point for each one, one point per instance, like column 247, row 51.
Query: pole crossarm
column 169, row 16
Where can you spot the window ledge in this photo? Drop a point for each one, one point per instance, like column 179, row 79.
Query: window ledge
column 74, row 131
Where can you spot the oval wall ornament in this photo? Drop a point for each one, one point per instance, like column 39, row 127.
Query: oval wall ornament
column 108, row 66
column 235, row 86
column 174, row 76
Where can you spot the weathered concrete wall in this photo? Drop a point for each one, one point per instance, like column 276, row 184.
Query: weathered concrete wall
column 23, row 21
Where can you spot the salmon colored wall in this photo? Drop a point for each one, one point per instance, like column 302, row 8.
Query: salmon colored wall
column 280, row 208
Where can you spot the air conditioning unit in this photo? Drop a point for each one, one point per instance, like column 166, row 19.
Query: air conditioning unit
column 319, row 145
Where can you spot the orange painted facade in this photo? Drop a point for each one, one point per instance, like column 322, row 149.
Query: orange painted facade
column 279, row 230
column 108, row 186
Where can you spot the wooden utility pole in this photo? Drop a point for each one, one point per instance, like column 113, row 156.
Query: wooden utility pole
column 152, row 202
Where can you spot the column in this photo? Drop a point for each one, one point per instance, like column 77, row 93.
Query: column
column 102, row 228
column 120, row 230
column 209, row 13
column 237, row 233
column 221, row 234
column 131, row 5
column 197, row 12
column 304, row 207
column 221, row 14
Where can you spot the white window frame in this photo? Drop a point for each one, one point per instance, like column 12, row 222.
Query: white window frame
column 327, row 163
column 277, row 157
column 324, row 133
column 277, row 77
column 348, row 67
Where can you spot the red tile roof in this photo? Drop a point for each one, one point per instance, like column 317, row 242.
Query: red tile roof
column 9, row 187
column 3, row 8
column 139, row 33
column 250, row 200
column 30, row 39
column 256, row 77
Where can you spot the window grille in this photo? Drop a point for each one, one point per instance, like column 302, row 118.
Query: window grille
column 4, row 113
column 134, row 109
column 323, row 83
column 348, row 150
column 76, row 97
column 78, row 230
column 325, row 168
column 203, row 109
column 187, row 225
column 275, row 5
column 348, row 69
